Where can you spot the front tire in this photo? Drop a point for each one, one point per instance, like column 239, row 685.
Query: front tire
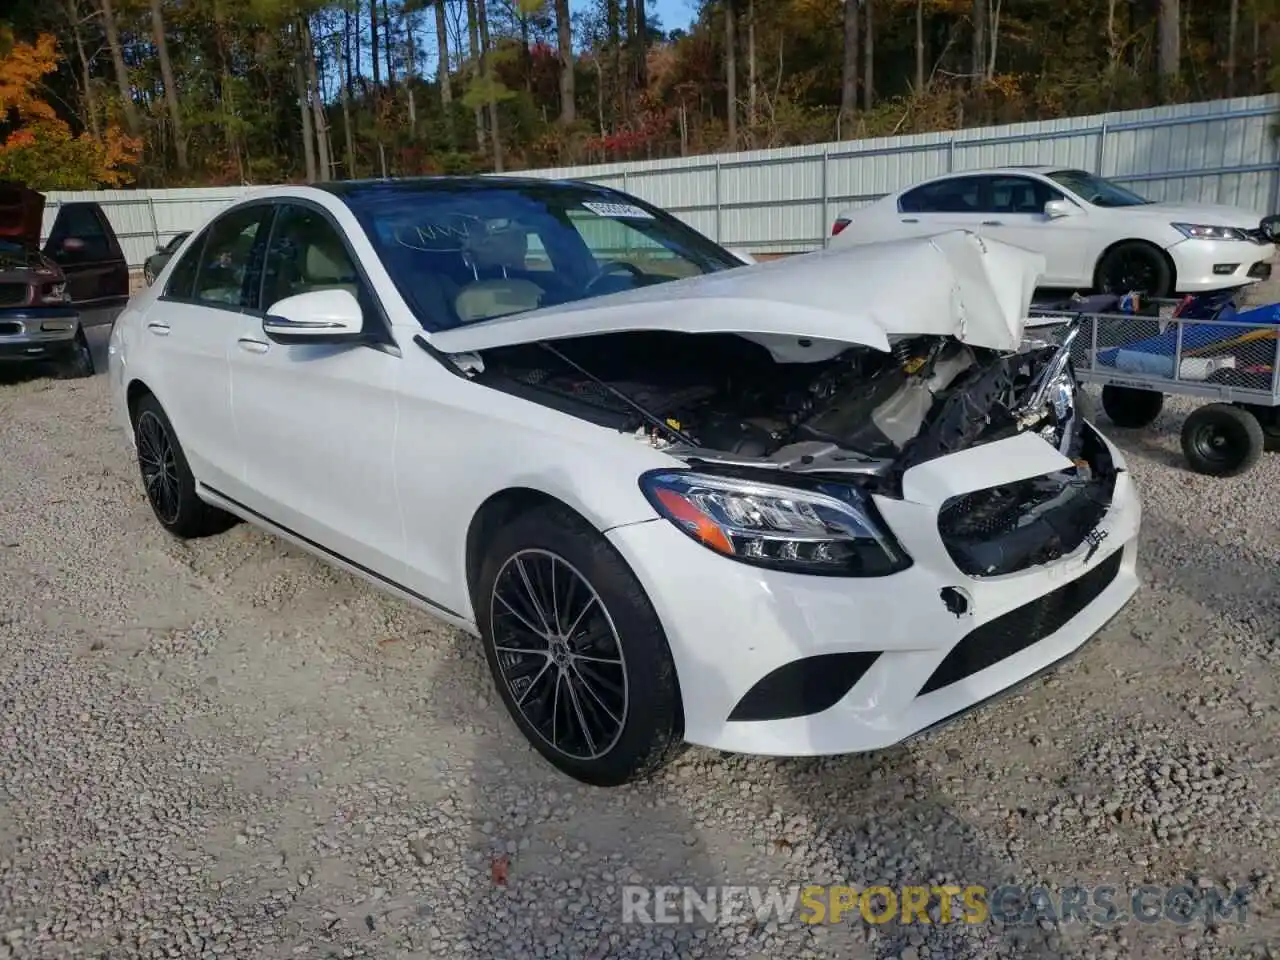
column 78, row 362
column 576, row 651
column 167, row 479
column 1134, row 267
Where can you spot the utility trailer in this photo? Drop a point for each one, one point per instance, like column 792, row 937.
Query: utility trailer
column 1201, row 347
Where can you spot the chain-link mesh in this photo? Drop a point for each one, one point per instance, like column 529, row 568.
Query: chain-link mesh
column 1154, row 347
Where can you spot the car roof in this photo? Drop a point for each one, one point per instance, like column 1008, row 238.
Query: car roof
column 374, row 186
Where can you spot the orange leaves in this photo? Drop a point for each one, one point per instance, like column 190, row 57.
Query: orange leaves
column 42, row 152
column 45, row 156
column 20, row 74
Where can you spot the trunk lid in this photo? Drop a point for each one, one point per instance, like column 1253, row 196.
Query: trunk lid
column 952, row 284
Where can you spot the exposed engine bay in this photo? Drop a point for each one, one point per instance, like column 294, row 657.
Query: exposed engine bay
column 863, row 416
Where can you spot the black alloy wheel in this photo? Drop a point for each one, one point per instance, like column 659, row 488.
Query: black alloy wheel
column 159, row 466
column 559, row 654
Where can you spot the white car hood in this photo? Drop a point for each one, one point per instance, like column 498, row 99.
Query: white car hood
column 1204, row 214
column 952, row 284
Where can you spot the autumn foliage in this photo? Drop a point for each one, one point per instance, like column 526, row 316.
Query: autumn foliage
column 39, row 148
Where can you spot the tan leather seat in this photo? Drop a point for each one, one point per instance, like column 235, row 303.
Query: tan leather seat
column 329, row 269
column 485, row 299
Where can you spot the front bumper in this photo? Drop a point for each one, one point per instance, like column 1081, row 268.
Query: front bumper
column 730, row 625
column 37, row 333
column 1202, row 265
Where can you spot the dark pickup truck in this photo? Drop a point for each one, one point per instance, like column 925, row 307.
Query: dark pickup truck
column 50, row 296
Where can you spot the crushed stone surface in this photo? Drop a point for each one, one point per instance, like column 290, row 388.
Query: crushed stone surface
column 228, row 749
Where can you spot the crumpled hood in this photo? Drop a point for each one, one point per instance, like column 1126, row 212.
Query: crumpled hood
column 21, row 214
column 952, row 284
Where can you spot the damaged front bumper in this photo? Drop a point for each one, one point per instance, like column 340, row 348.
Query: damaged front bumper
column 787, row 664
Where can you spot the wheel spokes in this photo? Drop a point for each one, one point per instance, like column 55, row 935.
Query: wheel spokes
column 559, row 654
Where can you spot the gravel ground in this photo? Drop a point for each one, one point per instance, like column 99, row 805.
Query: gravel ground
column 228, row 749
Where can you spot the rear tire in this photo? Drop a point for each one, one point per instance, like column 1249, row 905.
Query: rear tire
column 78, row 362
column 574, row 645
column 1221, row 440
column 148, row 275
column 167, row 480
column 1134, row 266
column 1130, row 408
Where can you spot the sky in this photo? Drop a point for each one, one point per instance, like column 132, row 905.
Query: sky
column 674, row 13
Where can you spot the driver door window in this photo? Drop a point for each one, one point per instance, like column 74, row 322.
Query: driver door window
column 229, row 271
column 307, row 254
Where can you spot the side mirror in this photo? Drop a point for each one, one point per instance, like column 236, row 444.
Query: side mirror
column 1056, row 209
column 321, row 316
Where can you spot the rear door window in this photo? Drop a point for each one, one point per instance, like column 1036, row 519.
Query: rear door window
column 956, row 195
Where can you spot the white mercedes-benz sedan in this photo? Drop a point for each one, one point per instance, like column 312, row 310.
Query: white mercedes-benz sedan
column 804, row 507
column 1094, row 234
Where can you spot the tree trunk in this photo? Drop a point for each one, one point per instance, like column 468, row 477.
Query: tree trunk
column 642, row 46
column 86, row 76
column 373, row 42
column 1170, row 48
column 731, row 73
column 751, row 64
column 304, row 108
column 349, row 84
column 613, row 26
column 495, row 132
column 346, row 109
column 995, row 40
column 388, row 47
column 122, row 73
column 979, row 41
column 324, row 165
column 442, row 74
column 170, row 86
column 869, row 59
column 1232, row 30
column 849, row 73
column 1113, row 54
column 1257, row 48
column 411, row 67
column 919, row 46
column 473, row 35
column 564, row 40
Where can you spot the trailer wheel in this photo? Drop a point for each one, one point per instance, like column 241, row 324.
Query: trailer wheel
column 1131, row 408
column 1269, row 417
column 1221, row 440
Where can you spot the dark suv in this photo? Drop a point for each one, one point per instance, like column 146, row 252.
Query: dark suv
column 49, row 297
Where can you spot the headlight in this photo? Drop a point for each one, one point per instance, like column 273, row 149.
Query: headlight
column 54, row 293
column 832, row 530
column 1199, row 231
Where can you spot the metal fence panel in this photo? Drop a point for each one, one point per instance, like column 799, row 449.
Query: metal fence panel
column 784, row 200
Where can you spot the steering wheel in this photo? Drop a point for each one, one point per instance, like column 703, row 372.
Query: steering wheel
column 612, row 266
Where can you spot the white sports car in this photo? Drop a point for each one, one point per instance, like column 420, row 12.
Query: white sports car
column 805, row 507
column 1094, row 234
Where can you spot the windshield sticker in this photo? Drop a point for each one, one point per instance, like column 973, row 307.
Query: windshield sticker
column 620, row 211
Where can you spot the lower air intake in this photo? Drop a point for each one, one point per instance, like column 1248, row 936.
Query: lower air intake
column 1022, row 627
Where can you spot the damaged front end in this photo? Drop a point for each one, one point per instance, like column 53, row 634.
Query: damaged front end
column 861, row 418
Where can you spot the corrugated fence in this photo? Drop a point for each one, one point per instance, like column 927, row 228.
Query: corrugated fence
column 783, row 201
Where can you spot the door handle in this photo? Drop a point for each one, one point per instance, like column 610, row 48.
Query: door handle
column 992, row 223
column 158, row 328
column 910, row 220
column 250, row 345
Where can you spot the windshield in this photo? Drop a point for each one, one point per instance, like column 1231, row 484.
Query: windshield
column 1097, row 190
column 468, row 251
